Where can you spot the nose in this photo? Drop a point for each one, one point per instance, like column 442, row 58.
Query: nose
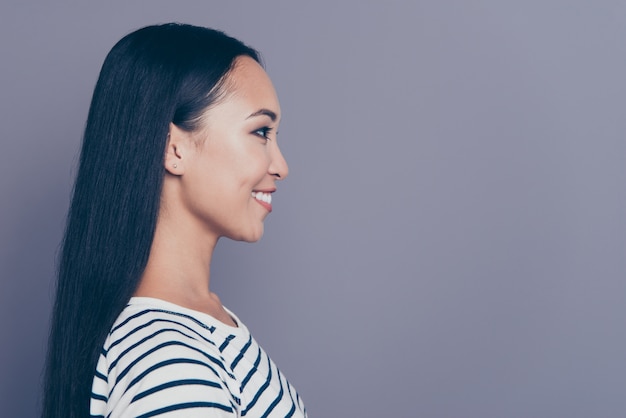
column 278, row 167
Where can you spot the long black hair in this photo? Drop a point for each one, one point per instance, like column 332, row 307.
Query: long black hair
column 151, row 77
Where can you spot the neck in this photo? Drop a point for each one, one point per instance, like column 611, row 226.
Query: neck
column 178, row 268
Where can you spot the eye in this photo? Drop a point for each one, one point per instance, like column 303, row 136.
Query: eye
column 263, row 132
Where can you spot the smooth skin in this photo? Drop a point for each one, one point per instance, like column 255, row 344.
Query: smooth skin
column 207, row 194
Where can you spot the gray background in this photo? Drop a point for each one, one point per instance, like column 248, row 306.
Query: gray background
column 451, row 240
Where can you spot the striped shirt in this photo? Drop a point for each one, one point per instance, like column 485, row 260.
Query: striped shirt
column 161, row 359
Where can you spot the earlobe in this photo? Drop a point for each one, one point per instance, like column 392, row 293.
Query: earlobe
column 174, row 151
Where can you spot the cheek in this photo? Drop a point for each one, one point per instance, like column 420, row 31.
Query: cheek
column 252, row 169
column 240, row 162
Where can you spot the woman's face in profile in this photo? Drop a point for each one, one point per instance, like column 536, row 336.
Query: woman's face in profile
column 231, row 172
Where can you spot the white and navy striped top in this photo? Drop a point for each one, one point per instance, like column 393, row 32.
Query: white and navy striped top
column 161, row 359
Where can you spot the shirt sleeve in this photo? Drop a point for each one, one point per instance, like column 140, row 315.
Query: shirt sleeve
column 171, row 376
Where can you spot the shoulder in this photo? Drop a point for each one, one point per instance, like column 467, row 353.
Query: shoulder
column 161, row 360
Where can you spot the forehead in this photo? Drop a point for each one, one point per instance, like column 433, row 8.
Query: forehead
column 249, row 86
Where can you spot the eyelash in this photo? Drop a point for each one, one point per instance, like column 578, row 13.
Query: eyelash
column 263, row 132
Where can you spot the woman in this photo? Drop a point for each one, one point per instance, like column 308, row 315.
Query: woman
column 179, row 150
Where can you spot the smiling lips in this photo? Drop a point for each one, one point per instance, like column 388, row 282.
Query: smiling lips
column 264, row 199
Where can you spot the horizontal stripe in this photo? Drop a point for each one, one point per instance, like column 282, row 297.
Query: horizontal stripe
column 100, row 376
column 98, row 397
column 175, row 383
column 169, row 363
column 188, row 405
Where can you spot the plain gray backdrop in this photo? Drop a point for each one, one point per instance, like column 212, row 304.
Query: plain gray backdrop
column 451, row 239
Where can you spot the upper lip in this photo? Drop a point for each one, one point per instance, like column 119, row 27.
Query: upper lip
column 264, row 190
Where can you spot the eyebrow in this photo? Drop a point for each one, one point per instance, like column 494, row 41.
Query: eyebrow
column 265, row 112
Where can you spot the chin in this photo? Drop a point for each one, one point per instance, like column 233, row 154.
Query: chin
column 255, row 238
column 250, row 236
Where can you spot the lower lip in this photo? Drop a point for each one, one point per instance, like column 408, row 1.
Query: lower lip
column 264, row 204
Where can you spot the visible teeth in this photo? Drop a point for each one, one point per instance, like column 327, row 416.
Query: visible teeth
column 263, row 197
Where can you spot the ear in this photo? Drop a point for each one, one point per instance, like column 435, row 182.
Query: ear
column 177, row 143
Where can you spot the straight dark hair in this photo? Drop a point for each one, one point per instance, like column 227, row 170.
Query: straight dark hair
column 153, row 76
